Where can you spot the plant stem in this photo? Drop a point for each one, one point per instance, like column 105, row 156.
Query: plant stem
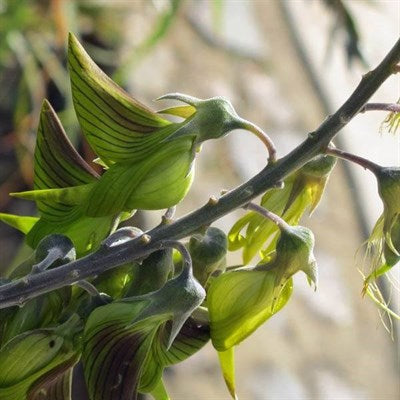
column 21, row 290
column 390, row 107
column 363, row 162
column 276, row 219
column 187, row 258
column 89, row 288
column 263, row 137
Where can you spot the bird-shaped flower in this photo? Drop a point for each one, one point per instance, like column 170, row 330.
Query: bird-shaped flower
column 384, row 241
column 148, row 160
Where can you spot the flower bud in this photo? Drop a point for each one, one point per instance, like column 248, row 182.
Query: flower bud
column 294, row 252
column 208, row 253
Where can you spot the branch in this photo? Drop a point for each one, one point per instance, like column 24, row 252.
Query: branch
column 19, row 291
column 390, row 107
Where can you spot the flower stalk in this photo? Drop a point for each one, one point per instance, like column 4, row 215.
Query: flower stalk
column 361, row 161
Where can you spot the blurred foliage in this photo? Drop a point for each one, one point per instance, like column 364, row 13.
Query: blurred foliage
column 346, row 23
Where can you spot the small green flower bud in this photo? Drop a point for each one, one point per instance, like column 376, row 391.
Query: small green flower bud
column 152, row 273
column 294, row 252
column 208, row 253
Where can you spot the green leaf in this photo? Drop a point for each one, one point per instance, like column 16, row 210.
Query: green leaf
column 85, row 232
column 57, row 165
column 227, row 363
column 115, row 351
column 62, row 179
column 40, row 312
column 392, row 121
column 191, row 338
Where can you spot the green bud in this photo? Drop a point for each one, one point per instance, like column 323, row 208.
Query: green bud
column 152, row 273
column 294, row 252
column 208, row 253
column 58, row 249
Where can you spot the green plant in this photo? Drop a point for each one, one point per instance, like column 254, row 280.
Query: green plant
column 128, row 303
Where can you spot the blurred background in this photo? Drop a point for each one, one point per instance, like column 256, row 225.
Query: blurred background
column 285, row 65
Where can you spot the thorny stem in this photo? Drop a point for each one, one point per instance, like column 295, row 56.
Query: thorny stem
column 363, row 162
column 104, row 259
column 390, row 107
column 276, row 219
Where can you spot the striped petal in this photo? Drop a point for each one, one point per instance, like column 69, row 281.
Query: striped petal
column 117, row 127
column 57, row 165
column 31, row 361
column 55, row 385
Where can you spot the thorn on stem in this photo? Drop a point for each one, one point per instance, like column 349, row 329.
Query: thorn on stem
column 145, row 238
column 212, row 201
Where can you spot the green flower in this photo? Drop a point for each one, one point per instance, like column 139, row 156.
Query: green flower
column 148, row 160
column 302, row 190
column 39, row 360
column 128, row 343
column 384, row 241
column 239, row 301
